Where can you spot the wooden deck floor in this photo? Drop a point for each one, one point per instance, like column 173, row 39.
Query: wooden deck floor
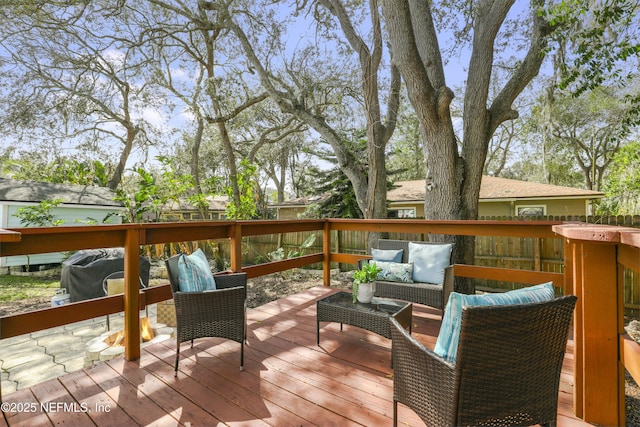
column 287, row 381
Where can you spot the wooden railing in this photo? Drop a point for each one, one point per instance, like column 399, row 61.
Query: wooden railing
column 594, row 259
column 593, row 256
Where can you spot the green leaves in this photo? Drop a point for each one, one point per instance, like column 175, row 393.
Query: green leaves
column 61, row 170
column 40, row 215
column 367, row 273
column 597, row 40
column 246, row 181
column 623, row 184
column 155, row 190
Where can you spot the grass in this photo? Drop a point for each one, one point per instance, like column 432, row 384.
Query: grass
column 16, row 288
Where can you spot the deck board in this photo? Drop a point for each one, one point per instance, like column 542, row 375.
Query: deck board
column 288, row 379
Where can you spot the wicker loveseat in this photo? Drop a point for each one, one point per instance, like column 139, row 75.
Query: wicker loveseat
column 432, row 294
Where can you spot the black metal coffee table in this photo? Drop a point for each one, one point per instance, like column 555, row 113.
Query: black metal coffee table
column 374, row 317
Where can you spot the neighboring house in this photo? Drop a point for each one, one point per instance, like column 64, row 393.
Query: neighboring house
column 292, row 209
column 185, row 211
column 498, row 197
column 80, row 204
column 501, row 197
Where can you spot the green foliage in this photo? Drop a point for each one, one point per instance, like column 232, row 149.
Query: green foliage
column 623, row 185
column 337, row 198
column 155, row 190
column 144, row 198
column 570, row 140
column 247, row 178
column 367, row 273
column 173, row 185
column 603, row 37
column 221, row 264
column 39, row 215
column 559, row 170
column 62, row 170
column 406, row 158
column 278, row 254
column 332, row 187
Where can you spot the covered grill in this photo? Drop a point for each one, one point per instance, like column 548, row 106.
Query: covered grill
column 84, row 272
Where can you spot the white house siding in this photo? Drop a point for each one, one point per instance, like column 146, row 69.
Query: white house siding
column 70, row 214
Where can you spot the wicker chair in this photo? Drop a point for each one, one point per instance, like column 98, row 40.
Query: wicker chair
column 507, row 368
column 433, row 295
column 220, row 313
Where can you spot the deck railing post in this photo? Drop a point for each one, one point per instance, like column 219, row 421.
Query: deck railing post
column 573, row 277
column 597, row 386
column 326, row 248
column 236, row 247
column 131, row 290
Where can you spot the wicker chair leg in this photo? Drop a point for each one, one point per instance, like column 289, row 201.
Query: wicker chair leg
column 242, row 356
column 177, row 358
column 395, row 413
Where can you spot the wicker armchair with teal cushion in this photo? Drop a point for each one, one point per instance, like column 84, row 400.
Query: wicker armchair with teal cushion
column 207, row 306
column 506, row 369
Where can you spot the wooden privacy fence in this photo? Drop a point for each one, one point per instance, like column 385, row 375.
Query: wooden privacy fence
column 621, row 220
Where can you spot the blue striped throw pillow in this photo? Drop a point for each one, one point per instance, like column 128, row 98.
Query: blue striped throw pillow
column 447, row 342
column 194, row 273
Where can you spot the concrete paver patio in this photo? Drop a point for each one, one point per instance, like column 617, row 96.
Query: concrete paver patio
column 34, row 358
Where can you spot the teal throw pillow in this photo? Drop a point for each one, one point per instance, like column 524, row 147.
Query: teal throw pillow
column 394, row 271
column 429, row 261
column 447, row 342
column 194, row 273
column 387, row 255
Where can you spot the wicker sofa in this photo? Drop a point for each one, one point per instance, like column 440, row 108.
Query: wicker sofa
column 433, row 295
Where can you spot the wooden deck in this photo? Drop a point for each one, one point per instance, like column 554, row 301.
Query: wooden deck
column 287, row 380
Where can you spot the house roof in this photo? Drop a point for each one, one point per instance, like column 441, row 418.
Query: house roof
column 214, row 203
column 34, row 192
column 302, row 201
column 494, row 188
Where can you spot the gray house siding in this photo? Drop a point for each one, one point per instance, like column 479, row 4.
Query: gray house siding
column 80, row 205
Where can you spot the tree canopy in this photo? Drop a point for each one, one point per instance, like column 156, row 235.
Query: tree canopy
column 215, row 85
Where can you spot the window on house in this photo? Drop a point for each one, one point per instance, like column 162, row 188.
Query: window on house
column 402, row 213
column 537, row 210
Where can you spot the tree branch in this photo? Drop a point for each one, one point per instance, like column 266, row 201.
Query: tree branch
column 239, row 109
column 347, row 162
column 489, row 18
column 405, row 51
column 500, row 109
column 427, row 41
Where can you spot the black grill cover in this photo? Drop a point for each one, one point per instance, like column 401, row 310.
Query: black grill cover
column 83, row 273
